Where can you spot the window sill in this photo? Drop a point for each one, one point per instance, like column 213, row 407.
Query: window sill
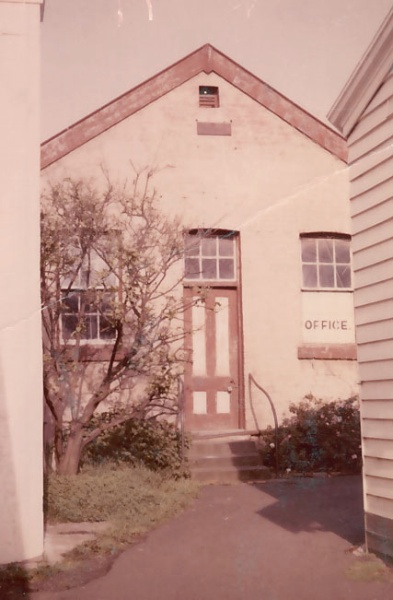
column 335, row 290
column 93, row 352
column 327, row 352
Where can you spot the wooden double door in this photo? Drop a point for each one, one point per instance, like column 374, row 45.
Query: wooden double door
column 213, row 369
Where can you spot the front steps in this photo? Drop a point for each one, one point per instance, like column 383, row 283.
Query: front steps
column 226, row 460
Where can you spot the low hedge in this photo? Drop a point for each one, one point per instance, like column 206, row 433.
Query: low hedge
column 318, row 436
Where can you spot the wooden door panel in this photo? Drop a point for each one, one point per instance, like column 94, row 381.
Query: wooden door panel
column 212, row 371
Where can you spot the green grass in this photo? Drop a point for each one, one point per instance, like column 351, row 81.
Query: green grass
column 369, row 568
column 133, row 499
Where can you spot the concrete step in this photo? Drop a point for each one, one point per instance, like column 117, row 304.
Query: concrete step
column 221, row 462
column 230, row 475
column 222, row 448
column 226, row 461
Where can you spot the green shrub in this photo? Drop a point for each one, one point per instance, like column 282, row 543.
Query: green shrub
column 154, row 444
column 319, row 436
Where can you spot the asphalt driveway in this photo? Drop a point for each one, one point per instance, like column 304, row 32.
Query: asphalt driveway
column 280, row 540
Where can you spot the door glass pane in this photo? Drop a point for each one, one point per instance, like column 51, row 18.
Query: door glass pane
column 225, row 246
column 209, row 246
column 192, row 270
column 192, row 243
column 226, row 266
column 209, row 268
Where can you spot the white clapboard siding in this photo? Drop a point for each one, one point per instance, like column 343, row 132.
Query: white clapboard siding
column 378, row 292
column 374, row 332
column 373, row 251
column 374, row 273
column 373, row 448
column 374, row 312
column 378, row 428
column 373, row 216
column 370, row 240
column 376, row 138
column 375, row 389
column 379, row 506
column 377, row 371
column 373, row 177
column 380, row 350
column 377, row 155
column 379, row 486
column 375, row 409
column 379, row 467
column 380, row 194
column 371, row 173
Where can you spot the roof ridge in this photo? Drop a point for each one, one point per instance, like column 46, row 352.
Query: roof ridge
column 205, row 59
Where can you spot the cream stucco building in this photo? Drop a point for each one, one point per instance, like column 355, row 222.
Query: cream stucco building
column 21, row 495
column 265, row 185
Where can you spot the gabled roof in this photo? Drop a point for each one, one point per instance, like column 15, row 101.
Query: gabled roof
column 206, row 59
column 365, row 80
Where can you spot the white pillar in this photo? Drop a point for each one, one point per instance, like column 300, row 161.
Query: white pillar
column 21, row 481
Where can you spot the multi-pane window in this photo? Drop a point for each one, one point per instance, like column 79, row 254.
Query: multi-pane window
column 87, row 303
column 210, row 256
column 86, row 313
column 326, row 262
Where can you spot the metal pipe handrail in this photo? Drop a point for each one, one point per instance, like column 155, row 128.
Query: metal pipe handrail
column 251, row 380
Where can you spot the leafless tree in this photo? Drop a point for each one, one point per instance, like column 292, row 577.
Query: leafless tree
column 111, row 309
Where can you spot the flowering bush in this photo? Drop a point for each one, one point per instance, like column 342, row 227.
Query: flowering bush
column 319, row 436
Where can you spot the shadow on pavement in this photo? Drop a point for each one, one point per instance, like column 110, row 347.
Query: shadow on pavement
column 332, row 504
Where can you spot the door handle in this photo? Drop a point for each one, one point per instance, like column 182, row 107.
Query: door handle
column 231, row 386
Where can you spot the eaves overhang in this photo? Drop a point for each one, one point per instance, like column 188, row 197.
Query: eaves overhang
column 367, row 77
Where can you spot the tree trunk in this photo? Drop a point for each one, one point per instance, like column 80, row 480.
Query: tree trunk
column 69, row 462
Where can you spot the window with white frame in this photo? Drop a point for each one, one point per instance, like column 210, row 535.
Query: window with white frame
column 326, row 261
column 87, row 303
column 210, row 256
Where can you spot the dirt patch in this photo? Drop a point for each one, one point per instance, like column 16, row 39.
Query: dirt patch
column 69, row 575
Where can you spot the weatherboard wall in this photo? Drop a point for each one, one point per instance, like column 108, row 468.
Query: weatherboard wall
column 371, row 159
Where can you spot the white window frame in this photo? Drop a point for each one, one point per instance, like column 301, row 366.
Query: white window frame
column 317, row 263
column 200, row 256
column 84, row 284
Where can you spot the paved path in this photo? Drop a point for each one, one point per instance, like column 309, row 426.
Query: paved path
column 285, row 540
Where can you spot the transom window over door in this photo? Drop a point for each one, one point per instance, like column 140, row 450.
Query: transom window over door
column 210, row 256
column 326, row 261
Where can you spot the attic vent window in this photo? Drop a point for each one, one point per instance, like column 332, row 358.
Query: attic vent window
column 208, row 96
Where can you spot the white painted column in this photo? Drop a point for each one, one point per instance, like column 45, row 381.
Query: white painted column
column 21, row 488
